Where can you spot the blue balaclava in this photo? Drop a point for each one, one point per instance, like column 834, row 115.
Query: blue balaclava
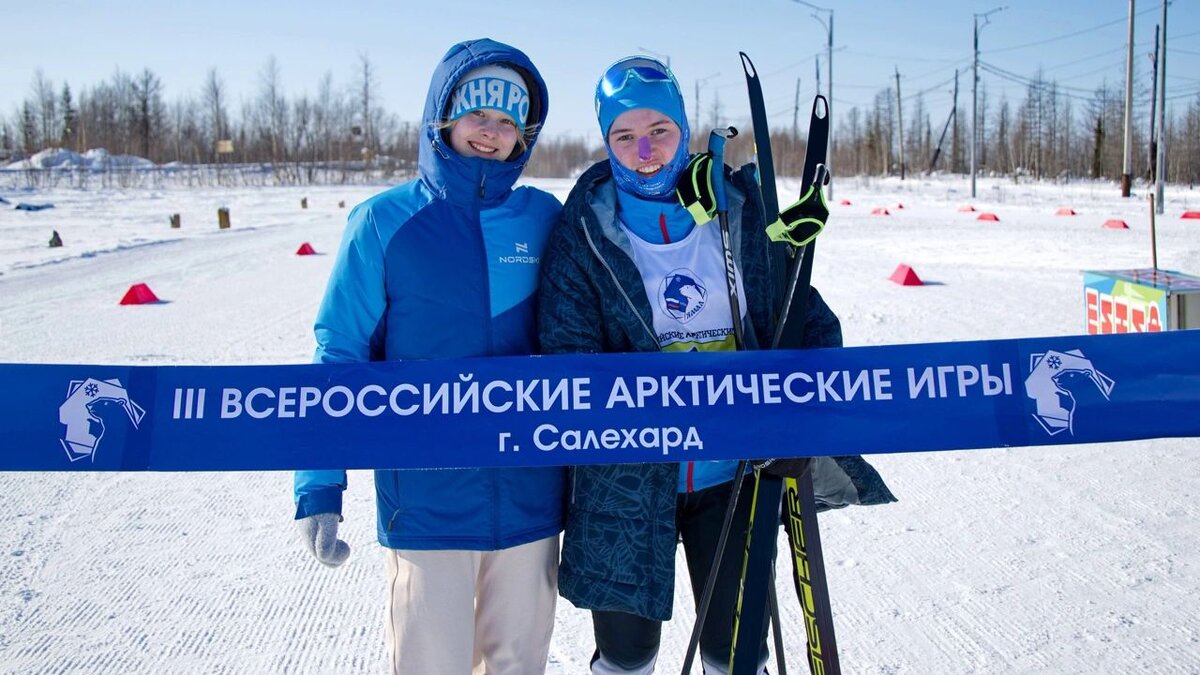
column 642, row 82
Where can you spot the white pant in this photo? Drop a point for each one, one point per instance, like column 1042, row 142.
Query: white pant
column 476, row 612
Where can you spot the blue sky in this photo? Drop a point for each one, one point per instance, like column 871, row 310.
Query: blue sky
column 1079, row 43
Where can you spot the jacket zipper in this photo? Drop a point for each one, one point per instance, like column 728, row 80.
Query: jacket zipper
column 653, row 337
column 596, row 251
column 490, row 477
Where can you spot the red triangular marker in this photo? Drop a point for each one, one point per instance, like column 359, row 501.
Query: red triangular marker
column 1191, row 215
column 880, row 211
column 139, row 294
column 899, row 205
column 845, row 202
column 306, row 249
column 989, row 216
column 1065, row 211
column 1116, row 224
column 905, row 276
column 967, row 208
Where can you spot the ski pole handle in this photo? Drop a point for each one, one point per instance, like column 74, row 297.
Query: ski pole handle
column 821, row 176
column 716, row 146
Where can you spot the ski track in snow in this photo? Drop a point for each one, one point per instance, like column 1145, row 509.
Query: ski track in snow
column 1075, row 559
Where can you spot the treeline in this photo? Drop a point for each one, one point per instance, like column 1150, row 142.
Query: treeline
column 129, row 114
column 1050, row 134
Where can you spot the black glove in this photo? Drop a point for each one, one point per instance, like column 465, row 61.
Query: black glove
column 695, row 189
column 786, row 467
column 801, row 222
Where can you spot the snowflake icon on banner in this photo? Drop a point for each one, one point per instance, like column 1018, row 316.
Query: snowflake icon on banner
column 1060, row 382
column 91, row 390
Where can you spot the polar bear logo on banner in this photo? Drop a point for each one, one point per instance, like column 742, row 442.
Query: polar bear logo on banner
column 1060, row 382
column 90, row 407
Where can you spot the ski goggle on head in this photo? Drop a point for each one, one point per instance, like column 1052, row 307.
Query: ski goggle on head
column 642, row 68
column 638, row 82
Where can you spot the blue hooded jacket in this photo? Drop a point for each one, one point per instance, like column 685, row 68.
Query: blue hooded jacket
column 444, row 266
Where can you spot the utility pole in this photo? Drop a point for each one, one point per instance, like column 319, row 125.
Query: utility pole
column 955, row 138
column 829, row 99
column 1150, row 172
column 699, row 82
column 953, row 113
column 900, row 121
column 1127, row 171
column 975, row 94
column 796, row 113
column 817, row 66
column 1161, row 171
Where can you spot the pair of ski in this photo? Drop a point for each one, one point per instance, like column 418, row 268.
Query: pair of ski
column 756, row 594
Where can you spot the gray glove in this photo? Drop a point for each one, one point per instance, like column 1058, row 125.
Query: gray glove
column 319, row 532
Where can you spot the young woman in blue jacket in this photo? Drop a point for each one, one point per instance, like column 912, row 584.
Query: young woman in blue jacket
column 427, row 270
column 628, row 269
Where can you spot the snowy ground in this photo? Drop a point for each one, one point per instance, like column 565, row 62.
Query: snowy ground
column 1078, row 559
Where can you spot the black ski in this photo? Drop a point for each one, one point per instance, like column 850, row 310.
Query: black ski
column 799, row 508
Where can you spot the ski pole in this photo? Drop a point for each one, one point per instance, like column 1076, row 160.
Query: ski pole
column 799, row 277
column 777, row 625
column 739, row 476
column 716, row 146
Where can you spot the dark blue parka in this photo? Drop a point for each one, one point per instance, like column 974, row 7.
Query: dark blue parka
column 444, row 266
column 619, row 546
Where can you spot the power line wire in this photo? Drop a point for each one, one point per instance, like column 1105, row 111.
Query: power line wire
column 901, row 59
column 1077, row 33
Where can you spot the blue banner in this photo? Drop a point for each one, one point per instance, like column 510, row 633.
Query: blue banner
column 601, row 408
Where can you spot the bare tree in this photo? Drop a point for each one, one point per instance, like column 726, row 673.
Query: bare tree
column 299, row 136
column 6, row 142
column 853, row 133
column 271, row 110
column 1186, row 147
column 1104, row 117
column 325, row 114
column 149, row 114
column 215, row 103
column 28, row 129
column 1064, row 137
column 46, row 105
column 366, row 102
column 563, row 156
column 917, row 142
column 70, row 119
column 1003, row 149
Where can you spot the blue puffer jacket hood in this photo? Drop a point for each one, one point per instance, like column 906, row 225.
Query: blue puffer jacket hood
column 442, row 169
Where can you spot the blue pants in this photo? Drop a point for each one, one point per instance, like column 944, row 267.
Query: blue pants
column 630, row 642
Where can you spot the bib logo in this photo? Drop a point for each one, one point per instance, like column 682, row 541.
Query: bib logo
column 681, row 296
column 91, row 406
column 1060, row 382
